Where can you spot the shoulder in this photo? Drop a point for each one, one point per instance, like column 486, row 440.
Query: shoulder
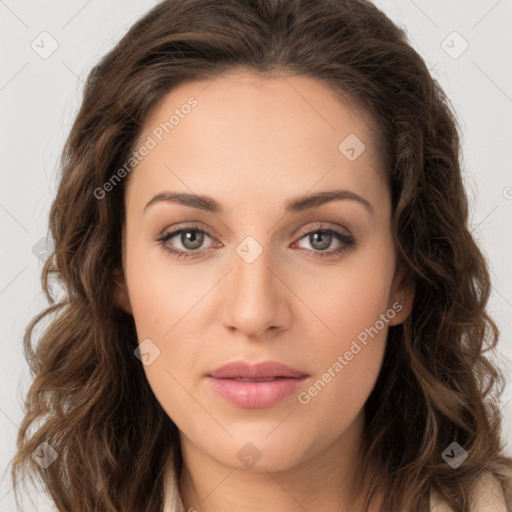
column 488, row 497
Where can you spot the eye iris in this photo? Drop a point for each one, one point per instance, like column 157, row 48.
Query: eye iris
column 322, row 237
column 195, row 238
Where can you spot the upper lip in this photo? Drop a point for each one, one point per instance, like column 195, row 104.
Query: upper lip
column 264, row 370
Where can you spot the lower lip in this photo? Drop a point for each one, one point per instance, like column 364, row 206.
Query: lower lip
column 255, row 395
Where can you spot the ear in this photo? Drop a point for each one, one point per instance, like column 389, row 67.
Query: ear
column 401, row 297
column 121, row 298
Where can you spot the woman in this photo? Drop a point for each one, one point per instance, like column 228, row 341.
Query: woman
column 273, row 300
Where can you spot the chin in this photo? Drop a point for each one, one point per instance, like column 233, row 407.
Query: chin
column 263, row 452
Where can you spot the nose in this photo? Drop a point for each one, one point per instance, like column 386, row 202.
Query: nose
column 257, row 304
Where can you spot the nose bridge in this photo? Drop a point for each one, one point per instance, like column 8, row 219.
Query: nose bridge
column 256, row 300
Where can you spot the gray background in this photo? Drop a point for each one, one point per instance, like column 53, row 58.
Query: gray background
column 40, row 96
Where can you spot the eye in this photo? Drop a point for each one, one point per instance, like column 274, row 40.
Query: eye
column 187, row 242
column 190, row 238
column 321, row 239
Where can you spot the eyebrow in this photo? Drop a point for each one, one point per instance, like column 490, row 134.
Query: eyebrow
column 297, row 204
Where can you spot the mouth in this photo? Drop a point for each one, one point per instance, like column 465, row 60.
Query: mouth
column 255, row 386
column 269, row 379
column 267, row 370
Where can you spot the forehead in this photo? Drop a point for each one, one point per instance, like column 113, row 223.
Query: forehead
column 259, row 102
column 256, row 131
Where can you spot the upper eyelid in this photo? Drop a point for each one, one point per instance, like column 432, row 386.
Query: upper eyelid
column 191, row 227
column 319, row 225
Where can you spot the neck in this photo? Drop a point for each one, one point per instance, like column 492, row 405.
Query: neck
column 324, row 482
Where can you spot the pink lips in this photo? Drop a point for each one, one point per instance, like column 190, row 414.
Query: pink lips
column 255, row 386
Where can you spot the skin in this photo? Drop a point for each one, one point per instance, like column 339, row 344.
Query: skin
column 257, row 140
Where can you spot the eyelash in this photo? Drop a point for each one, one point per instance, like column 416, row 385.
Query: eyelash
column 347, row 240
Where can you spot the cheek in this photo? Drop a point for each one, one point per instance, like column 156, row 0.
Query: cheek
column 159, row 294
column 352, row 304
column 348, row 298
column 162, row 302
column 166, row 302
column 349, row 354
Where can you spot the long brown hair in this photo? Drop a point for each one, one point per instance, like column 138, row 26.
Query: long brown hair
column 90, row 398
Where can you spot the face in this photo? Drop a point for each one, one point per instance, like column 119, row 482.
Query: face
column 263, row 268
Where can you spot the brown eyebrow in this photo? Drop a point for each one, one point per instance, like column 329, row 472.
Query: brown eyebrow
column 313, row 200
column 298, row 204
column 195, row 201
